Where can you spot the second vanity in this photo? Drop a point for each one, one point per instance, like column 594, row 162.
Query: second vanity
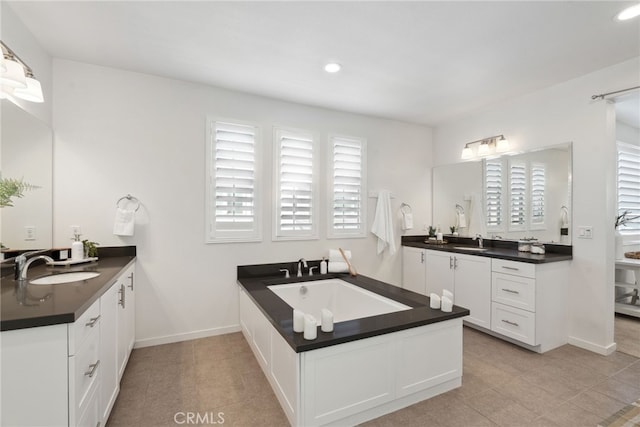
column 516, row 296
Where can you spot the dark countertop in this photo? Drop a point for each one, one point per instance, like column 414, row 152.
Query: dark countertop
column 44, row 305
column 495, row 249
column 280, row 314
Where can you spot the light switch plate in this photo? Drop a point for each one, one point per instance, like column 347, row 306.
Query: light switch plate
column 30, row 232
column 585, row 232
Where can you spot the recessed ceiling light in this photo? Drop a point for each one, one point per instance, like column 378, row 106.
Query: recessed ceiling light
column 332, row 67
column 629, row 13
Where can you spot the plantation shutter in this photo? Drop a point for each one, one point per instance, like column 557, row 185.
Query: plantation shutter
column 493, row 193
column 232, row 189
column 518, row 195
column 538, row 185
column 296, row 185
column 347, row 204
column 629, row 185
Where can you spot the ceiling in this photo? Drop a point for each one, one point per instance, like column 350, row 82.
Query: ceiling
column 422, row 62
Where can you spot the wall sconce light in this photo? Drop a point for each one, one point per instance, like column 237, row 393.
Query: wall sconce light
column 17, row 79
column 487, row 146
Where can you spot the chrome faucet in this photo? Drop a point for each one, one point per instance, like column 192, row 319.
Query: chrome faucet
column 302, row 263
column 479, row 239
column 22, row 263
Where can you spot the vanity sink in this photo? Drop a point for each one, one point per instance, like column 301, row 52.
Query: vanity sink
column 470, row 248
column 56, row 279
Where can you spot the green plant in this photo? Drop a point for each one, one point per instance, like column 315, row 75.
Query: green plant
column 11, row 187
column 432, row 231
column 452, row 228
column 90, row 248
column 624, row 218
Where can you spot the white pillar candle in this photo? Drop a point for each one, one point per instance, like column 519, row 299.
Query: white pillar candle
column 298, row 320
column 327, row 321
column 447, row 305
column 435, row 301
column 310, row 327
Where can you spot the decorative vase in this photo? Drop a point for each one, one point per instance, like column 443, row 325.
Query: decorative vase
column 619, row 249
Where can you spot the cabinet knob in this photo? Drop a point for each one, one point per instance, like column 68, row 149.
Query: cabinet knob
column 92, row 369
column 92, row 322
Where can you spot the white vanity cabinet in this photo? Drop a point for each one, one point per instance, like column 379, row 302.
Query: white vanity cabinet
column 529, row 302
column 126, row 317
column 468, row 277
column 414, row 269
column 67, row 374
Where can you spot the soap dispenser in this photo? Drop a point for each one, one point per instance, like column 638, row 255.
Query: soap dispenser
column 323, row 266
column 77, row 248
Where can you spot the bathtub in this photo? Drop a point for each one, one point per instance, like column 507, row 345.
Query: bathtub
column 338, row 379
column 344, row 300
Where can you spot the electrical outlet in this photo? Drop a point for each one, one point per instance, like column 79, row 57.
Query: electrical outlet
column 75, row 229
column 30, row 232
column 585, row 232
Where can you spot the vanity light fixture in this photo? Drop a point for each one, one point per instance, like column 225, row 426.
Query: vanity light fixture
column 629, row 13
column 17, row 79
column 487, row 146
column 332, row 67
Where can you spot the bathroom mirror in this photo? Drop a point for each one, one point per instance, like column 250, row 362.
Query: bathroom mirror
column 26, row 153
column 529, row 192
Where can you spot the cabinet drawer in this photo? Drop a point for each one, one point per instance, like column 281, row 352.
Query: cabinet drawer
column 513, row 323
column 513, row 267
column 84, row 369
column 516, row 291
column 91, row 415
column 85, row 325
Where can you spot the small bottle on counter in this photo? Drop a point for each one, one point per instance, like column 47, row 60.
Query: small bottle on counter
column 77, row 248
column 323, row 266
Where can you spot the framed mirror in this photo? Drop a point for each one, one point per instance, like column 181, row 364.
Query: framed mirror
column 26, row 155
column 513, row 196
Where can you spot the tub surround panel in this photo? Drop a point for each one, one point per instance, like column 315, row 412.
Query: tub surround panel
column 280, row 314
column 63, row 303
column 499, row 249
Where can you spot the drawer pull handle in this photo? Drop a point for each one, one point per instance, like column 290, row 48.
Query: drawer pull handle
column 130, row 285
column 92, row 322
column 510, row 268
column 511, row 291
column 92, row 369
column 508, row 322
column 123, row 296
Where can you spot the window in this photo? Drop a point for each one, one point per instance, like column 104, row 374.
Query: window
column 232, row 196
column 347, row 200
column 493, row 193
column 538, row 191
column 517, row 196
column 629, row 185
column 296, row 182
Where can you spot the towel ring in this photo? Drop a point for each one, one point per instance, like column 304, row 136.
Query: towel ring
column 129, row 198
column 405, row 205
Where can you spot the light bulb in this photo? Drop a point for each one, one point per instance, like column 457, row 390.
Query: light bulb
column 483, row 149
column 14, row 75
column 332, row 67
column 466, row 152
column 502, row 145
column 33, row 91
column 629, row 13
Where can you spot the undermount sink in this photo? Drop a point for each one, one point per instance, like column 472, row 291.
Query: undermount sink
column 470, row 248
column 56, row 279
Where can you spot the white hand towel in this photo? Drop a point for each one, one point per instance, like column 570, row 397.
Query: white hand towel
column 335, row 255
column 338, row 267
column 383, row 223
column 124, row 222
column 407, row 220
column 462, row 220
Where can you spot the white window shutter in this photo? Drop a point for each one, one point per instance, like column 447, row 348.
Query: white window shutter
column 296, row 195
column 538, row 195
column 347, row 207
column 493, row 192
column 232, row 187
column 517, row 196
column 629, row 185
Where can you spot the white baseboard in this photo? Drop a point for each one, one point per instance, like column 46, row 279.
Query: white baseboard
column 168, row 339
column 596, row 348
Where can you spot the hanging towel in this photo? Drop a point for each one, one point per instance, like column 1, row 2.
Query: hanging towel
column 383, row 223
column 461, row 219
column 407, row 220
column 124, row 222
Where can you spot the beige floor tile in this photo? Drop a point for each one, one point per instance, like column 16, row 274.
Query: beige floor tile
column 528, row 395
column 598, row 403
column 618, row 390
column 570, row 415
column 501, row 410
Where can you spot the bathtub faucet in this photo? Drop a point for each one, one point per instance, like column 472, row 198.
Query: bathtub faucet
column 301, row 263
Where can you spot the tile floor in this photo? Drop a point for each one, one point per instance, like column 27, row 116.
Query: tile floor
column 627, row 334
column 503, row 385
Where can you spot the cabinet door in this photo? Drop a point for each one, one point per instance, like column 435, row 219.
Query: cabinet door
column 413, row 269
column 473, row 287
column 108, row 351
column 439, row 272
column 126, row 317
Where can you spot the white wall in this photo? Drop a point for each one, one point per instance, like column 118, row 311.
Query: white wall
column 548, row 117
column 118, row 132
column 15, row 35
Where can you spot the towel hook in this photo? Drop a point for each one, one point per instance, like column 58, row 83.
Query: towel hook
column 459, row 209
column 129, row 198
